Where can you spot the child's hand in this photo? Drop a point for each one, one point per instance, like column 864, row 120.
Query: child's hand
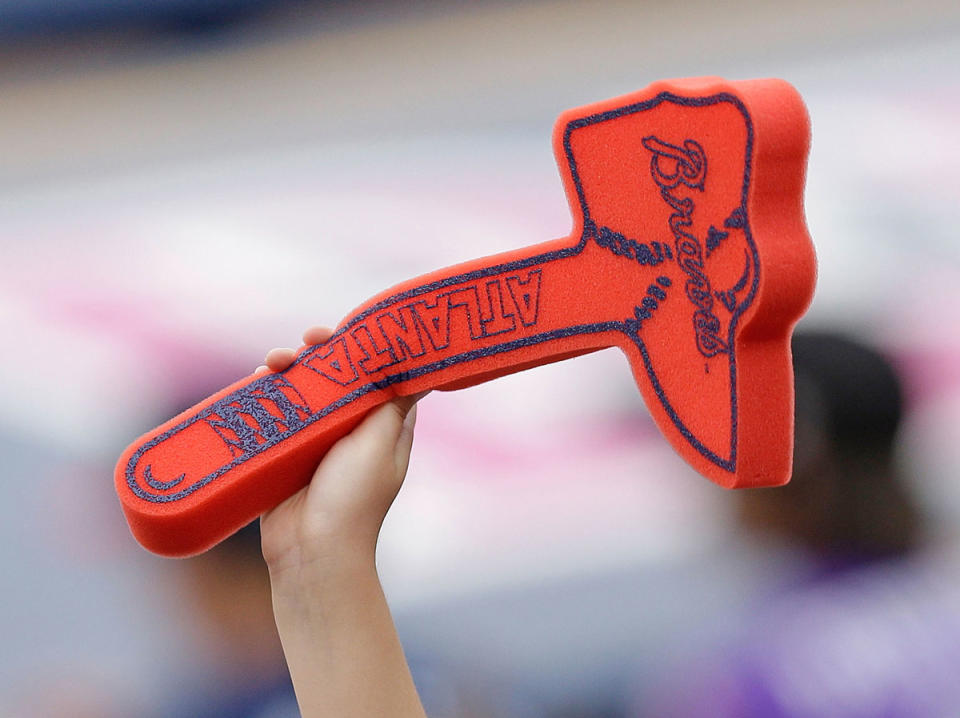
column 338, row 637
column 338, row 515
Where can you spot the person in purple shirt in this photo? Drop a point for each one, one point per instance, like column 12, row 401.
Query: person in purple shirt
column 872, row 630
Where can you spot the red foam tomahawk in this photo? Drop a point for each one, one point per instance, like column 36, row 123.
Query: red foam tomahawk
column 688, row 252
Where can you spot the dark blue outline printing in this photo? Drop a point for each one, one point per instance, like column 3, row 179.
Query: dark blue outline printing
column 740, row 215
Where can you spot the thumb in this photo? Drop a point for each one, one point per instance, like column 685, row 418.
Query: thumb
column 405, row 441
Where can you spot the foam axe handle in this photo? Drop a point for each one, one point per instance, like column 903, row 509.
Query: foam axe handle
column 688, row 252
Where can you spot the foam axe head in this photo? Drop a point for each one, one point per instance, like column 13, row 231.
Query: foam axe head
column 689, row 253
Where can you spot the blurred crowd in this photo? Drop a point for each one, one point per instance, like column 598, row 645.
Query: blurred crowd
column 190, row 183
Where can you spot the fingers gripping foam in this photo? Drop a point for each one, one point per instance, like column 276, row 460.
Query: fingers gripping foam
column 688, row 252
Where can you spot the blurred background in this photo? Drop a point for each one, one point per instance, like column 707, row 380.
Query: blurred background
column 187, row 183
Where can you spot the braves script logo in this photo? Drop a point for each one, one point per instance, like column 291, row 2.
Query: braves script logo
column 686, row 166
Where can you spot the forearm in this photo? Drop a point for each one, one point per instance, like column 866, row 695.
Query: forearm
column 341, row 645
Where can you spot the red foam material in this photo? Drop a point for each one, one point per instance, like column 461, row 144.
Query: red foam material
column 688, row 252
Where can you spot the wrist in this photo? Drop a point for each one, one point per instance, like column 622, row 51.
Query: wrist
column 314, row 602
column 306, row 568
